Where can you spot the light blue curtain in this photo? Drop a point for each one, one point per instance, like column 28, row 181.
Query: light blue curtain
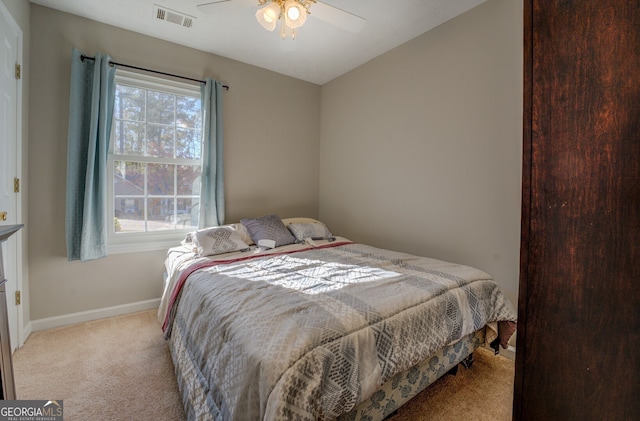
column 92, row 96
column 212, row 185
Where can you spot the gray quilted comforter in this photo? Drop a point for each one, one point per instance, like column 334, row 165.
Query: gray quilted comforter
column 310, row 334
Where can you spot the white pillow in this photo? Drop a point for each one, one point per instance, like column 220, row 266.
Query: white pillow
column 217, row 240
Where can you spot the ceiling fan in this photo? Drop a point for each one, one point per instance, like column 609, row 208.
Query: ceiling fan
column 292, row 14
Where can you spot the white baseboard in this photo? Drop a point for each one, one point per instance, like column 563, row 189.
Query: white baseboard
column 509, row 353
column 24, row 334
column 87, row 316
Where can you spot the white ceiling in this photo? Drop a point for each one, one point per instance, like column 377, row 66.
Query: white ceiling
column 321, row 50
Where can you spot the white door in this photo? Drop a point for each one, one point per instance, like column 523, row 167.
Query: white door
column 10, row 38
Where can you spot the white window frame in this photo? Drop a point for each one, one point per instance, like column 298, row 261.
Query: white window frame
column 143, row 241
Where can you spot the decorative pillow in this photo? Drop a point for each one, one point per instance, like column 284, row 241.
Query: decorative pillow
column 188, row 239
column 217, row 240
column 244, row 234
column 314, row 230
column 268, row 227
column 298, row 220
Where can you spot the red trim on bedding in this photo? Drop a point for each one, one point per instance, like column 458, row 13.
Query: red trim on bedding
column 189, row 270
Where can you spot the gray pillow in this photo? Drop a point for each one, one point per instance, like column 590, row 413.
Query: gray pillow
column 313, row 230
column 268, row 227
column 217, row 240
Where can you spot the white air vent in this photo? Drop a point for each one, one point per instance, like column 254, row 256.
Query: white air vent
column 169, row 15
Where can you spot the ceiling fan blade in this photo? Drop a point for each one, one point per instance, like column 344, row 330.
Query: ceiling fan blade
column 216, row 7
column 337, row 17
column 213, row 7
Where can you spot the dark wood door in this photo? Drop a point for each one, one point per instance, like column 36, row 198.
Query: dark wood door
column 579, row 300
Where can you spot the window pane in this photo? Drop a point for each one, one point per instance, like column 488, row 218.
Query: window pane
column 128, row 204
column 160, row 141
column 130, row 103
column 129, row 214
column 188, row 112
column 161, row 107
column 187, row 213
column 188, row 180
column 128, row 178
column 188, row 143
column 129, row 138
column 160, row 212
column 160, row 180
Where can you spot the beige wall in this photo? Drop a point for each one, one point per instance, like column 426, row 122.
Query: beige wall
column 421, row 147
column 265, row 172
column 19, row 9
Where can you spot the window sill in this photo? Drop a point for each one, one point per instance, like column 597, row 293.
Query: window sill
column 138, row 245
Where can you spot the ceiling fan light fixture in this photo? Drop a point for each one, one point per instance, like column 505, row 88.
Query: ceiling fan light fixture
column 268, row 16
column 291, row 14
column 296, row 13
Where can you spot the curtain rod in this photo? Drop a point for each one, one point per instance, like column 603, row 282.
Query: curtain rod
column 82, row 57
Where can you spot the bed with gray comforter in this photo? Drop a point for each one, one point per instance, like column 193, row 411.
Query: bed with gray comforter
column 309, row 333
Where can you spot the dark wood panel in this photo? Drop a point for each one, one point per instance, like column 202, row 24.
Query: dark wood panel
column 525, row 223
column 579, row 298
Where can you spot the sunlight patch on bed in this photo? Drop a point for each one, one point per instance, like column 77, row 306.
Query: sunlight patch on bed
column 306, row 275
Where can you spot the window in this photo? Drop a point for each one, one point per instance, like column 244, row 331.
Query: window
column 155, row 162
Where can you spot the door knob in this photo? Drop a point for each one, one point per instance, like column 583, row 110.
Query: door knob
column 3, row 216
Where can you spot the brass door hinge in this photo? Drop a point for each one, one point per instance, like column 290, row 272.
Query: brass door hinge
column 16, row 185
column 17, row 71
column 17, row 298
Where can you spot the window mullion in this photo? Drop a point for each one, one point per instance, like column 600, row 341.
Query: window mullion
column 145, row 150
column 175, row 167
column 175, row 196
column 146, row 197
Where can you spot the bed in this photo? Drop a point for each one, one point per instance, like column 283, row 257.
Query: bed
column 272, row 319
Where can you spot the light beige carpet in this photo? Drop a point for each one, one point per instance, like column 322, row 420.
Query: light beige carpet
column 120, row 369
